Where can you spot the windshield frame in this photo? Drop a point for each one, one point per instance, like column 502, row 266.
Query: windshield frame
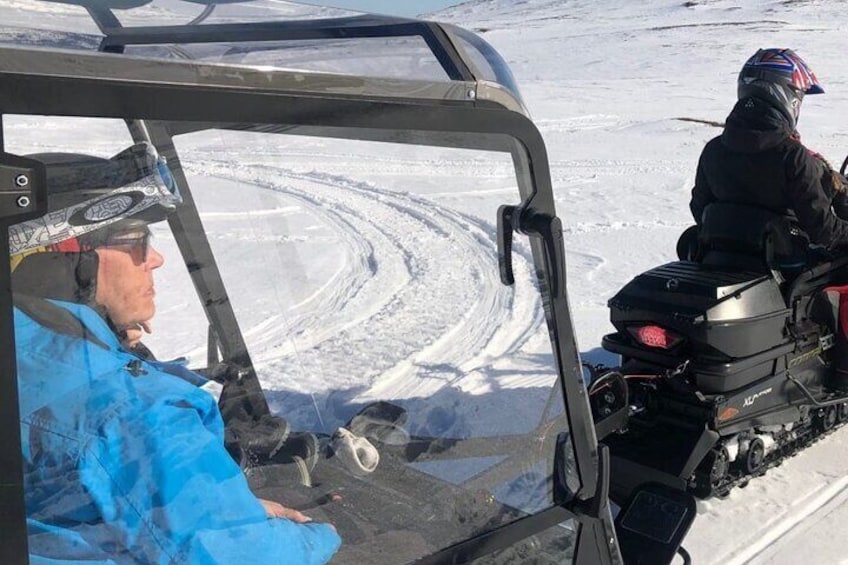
column 462, row 114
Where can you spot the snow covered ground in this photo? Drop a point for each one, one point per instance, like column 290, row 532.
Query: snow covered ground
column 406, row 235
column 608, row 82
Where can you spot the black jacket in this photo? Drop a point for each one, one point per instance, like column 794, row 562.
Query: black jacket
column 757, row 162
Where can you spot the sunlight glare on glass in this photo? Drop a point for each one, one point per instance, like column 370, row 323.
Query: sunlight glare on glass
column 403, row 8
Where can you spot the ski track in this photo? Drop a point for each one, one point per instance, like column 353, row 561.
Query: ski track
column 581, row 123
column 388, row 165
column 794, row 531
column 413, row 262
column 600, row 227
column 788, row 531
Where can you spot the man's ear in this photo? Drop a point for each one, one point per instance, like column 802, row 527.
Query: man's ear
column 86, row 277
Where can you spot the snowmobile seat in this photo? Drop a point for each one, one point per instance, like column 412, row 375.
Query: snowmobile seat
column 748, row 237
column 817, row 276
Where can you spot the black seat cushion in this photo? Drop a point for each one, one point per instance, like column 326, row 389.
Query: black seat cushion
column 736, row 233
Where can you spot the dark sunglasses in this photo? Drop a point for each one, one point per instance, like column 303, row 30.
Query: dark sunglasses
column 135, row 242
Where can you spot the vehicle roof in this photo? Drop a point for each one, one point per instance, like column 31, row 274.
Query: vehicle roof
column 364, row 54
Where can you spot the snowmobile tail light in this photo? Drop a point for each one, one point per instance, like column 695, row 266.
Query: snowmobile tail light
column 655, row 336
column 728, row 414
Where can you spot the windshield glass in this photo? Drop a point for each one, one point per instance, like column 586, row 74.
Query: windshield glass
column 328, row 40
column 56, row 15
column 412, row 399
column 486, row 62
column 393, row 57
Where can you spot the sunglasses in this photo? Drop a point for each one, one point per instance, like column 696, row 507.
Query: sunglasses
column 135, row 242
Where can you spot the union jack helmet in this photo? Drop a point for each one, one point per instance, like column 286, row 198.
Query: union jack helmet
column 781, row 65
column 781, row 78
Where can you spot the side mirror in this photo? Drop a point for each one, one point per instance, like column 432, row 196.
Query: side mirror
column 653, row 523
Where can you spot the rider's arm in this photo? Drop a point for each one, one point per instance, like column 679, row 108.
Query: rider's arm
column 836, row 186
column 810, row 201
column 701, row 193
column 840, row 205
column 164, row 482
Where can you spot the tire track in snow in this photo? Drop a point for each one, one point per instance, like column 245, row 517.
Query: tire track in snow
column 359, row 238
column 351, row 164
column 613, row 226
column 581, row 123
column 427, row 301
column 785, row 532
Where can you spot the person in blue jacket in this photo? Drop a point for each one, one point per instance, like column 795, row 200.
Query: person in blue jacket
column 124, row 457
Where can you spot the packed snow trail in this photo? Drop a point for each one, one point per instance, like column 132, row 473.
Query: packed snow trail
column 419, row 280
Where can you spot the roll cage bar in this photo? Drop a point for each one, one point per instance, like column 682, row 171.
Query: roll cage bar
column 163, row 98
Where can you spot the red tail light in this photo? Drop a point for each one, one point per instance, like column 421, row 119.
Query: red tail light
column 655, row 336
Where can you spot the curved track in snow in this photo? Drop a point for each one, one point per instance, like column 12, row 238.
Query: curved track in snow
column 417, row 294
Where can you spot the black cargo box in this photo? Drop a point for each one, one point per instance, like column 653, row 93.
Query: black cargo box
column 731, row 314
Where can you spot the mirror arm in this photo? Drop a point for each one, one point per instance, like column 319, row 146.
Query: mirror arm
column 506, row 214
column 526, row 221
column 597, row 541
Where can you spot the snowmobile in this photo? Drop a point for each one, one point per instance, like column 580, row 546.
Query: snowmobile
column 251, row 118
column 728, row 356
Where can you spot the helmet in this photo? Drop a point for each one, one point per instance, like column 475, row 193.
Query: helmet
column 91, row 201
column 780, row 77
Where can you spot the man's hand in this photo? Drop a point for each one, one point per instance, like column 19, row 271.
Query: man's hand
column 277, row 510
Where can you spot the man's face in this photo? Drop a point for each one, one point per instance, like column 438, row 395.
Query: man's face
column 125, row 279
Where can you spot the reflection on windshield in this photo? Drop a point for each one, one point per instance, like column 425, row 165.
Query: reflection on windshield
column 389, row 57
column 363, row 273
column 58, row 14
column 488, row 63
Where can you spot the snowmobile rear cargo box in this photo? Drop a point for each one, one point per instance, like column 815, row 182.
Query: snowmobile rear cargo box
column 722, row 314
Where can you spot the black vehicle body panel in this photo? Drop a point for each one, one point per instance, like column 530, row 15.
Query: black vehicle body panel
column 752, row 361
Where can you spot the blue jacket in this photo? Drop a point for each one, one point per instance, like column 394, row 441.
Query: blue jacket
column 124, row 461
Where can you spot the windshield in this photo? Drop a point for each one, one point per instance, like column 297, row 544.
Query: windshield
column 327, row 40
column 392, row 57
column 71, row 15
column 412, row 399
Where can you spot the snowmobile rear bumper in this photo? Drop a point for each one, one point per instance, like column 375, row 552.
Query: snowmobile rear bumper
column 711, row 377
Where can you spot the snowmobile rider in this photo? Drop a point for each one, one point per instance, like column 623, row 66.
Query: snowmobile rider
column 759, row 159
column 124, row 457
